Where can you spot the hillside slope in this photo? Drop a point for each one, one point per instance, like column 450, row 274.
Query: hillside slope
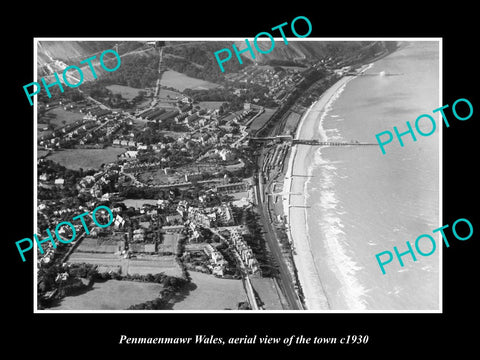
column 196, row 59
column 303, row 50
column 55, row 56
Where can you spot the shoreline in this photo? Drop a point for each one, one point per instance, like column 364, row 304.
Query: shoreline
column 300, row 157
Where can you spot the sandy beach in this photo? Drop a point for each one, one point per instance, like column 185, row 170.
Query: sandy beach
column 294, row 203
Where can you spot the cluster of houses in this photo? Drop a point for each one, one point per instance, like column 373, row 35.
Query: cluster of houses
column 206, row 217
column 94, row 184
column 233, row 187
column 97, row 113
column 196, row 119
column 247, row 111
column 207, row 136
column 184, row 112
column 68, row 132
column 218, row 263
column 96, row 124
column 189, row 173
column 130, row 167
column 278, row 82
column 125, row 142
column 160, row 114
column 47, row 256
column 244, row 251
column 193, row 118
column 61, row 213
column 184, row 143
column 100, row 125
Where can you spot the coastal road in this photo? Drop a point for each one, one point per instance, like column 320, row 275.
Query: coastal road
column 247, row 283
column 286, row 281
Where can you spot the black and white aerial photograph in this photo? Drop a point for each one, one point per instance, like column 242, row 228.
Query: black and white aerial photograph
column 258, row 188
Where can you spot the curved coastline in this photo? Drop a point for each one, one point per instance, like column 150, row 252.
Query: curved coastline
column 294, row 205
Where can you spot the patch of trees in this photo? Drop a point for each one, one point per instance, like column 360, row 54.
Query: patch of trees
column 258, row 244
column 132, row 192
column 243, row 305
column 314, row 92
column 171, row 287
column 69, row 94
column 172, row 282
column 159, row 303
column 311, row 76
column 136, row 71
column 197, row 60
column 178, row 257
column 235, row 102
column 232, row 270
column 217, row 94
column 56, row 193
column 277, row 115
column 97, row 90
column 151, row 136
column 56, row 170
column 170, row 125
column 47, row 281
column 343, row 48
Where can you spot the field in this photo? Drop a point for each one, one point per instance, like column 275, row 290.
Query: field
column 153, row 265
column 127, row 92
column 104, row 252
column 142, row 265
column 181, row 82
column 61, row 115
column 41, row 153
column 268, row 294
column 169, row 95
column 169, row 242
column 212, row 294
column 85, row 158
column 167, row 98
column 261, row 120
column 99, row 244
column 111, row 295
column 106, row 261
column 291, row 122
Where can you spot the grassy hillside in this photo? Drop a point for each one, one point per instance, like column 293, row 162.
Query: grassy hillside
column 72, row 51
column 54, row 56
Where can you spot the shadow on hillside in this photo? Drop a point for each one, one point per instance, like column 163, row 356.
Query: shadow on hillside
column 181, row 295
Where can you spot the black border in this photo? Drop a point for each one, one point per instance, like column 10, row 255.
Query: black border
column 408, row 334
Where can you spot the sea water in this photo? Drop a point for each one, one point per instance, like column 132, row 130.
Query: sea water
column 363, row 202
